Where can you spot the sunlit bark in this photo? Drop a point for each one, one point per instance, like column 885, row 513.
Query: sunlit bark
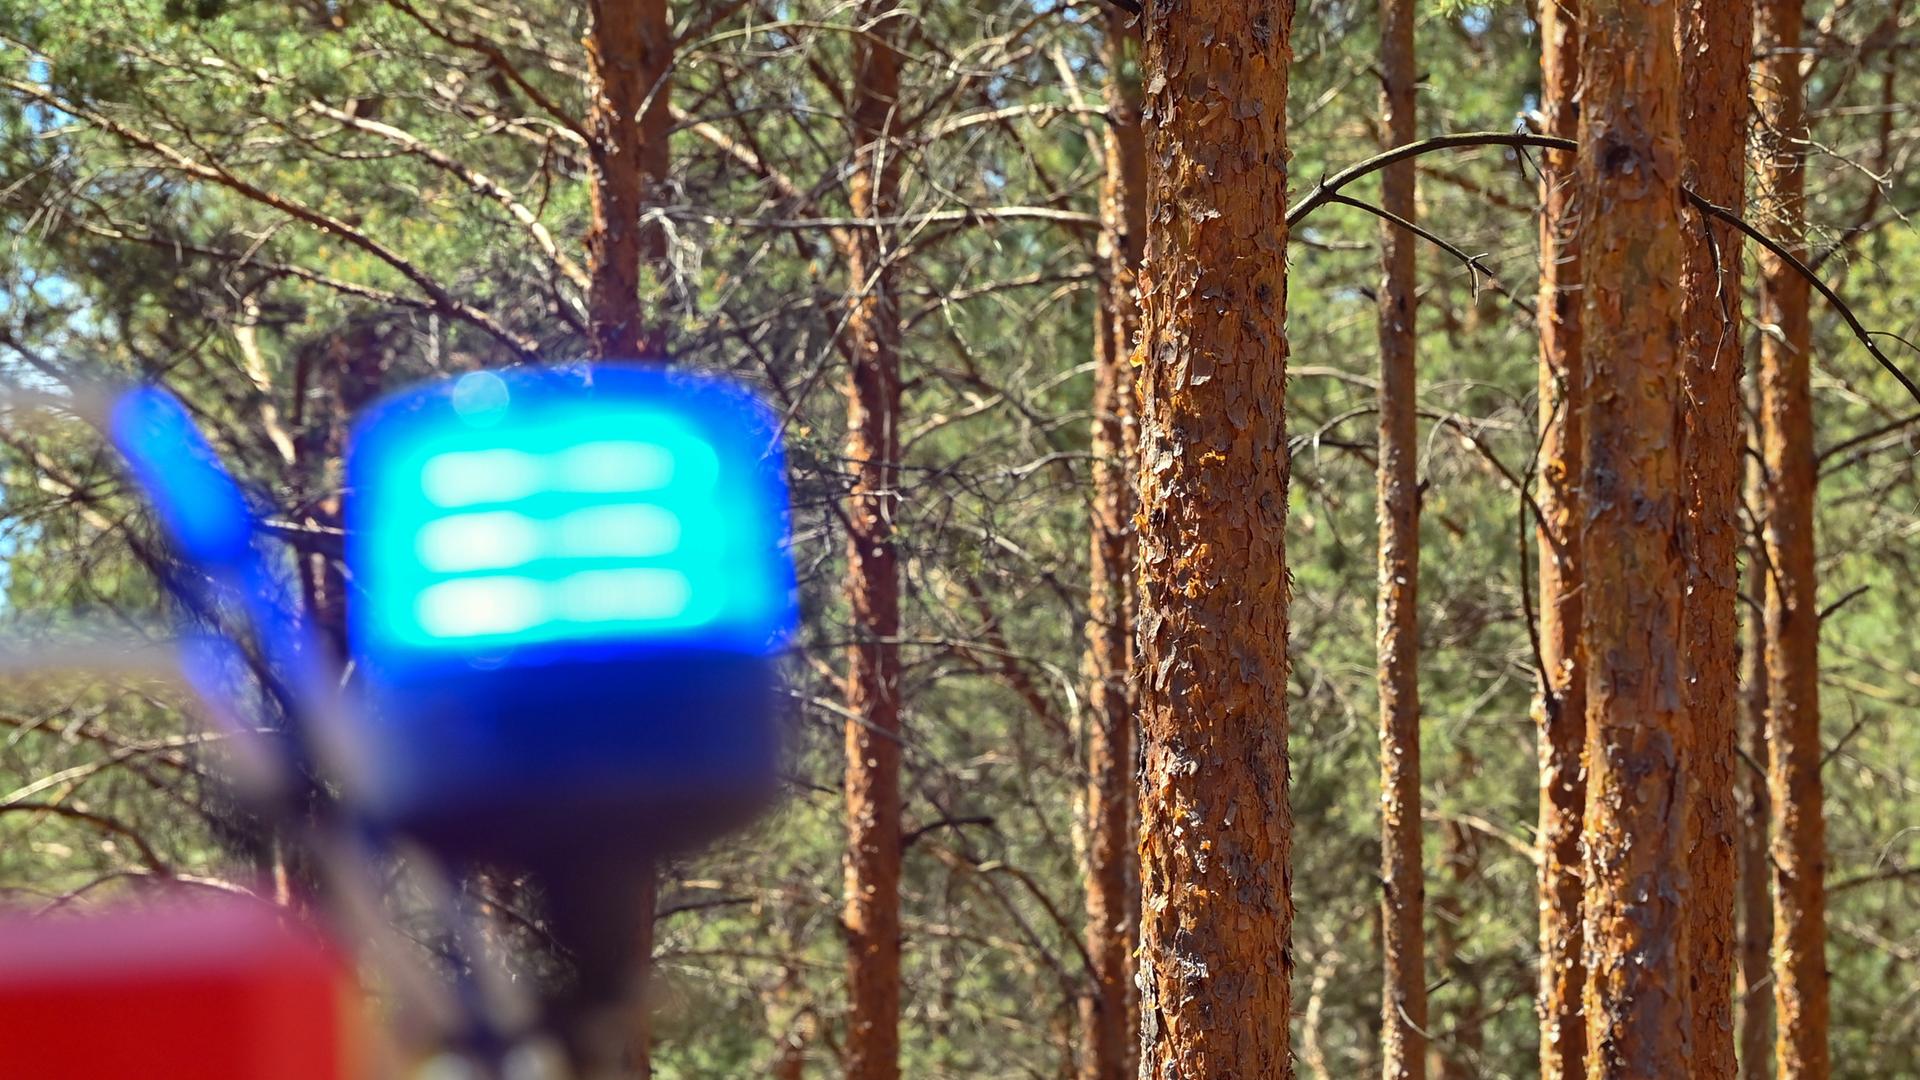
column 1403, row 995
column 872, row 905
column 1216, row 829
column 1639, row 1022
column 1792, row 615
column 1561, row 711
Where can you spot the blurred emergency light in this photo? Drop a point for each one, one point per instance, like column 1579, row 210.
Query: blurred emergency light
column 197, row 500
column 226, row 990
column 570, row 587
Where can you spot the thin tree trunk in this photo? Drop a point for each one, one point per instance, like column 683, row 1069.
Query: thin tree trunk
column 1639, row 1022
column 872, row 912
column 640, row 1025
column 629, row 48
column 1561, row 711
column 1756, row 908
column 1216, row 829
column 1792, row 617
column 1716, row 38
column 629, row 59
column 1403, row 997
column 1109, row 1013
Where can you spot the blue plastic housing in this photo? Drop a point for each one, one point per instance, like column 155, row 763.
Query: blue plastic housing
column 570, row 588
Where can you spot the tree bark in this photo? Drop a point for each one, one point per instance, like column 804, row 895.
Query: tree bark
column 1403, row 998
column 1216, row 829
column 1639, row 1022
column 629, row 47
column 1792, row 616
column 1109, row 1012
column 1716, row 38
column 639, row 1062
column 1756, row 909
column 629, row 61
column 872, row 912
column 1561, row 709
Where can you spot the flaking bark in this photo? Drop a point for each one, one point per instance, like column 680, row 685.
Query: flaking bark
column 1216, row 829
column 1639, row 1022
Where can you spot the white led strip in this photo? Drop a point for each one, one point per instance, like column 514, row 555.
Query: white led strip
column 503, row 539
column 469, row 477
column 496, row 546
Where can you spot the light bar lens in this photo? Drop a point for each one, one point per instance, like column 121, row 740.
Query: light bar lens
column 631, row 504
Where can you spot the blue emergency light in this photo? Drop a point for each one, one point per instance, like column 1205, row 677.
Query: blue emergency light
column 570, row 588
column 199, row 504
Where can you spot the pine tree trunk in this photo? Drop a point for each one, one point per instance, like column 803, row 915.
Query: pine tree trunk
column 1639, row 1022
column 629, row 61
column 872, row 912
column 1216, row 829
column 629, row 46
column 1561, row 711
column 1792, row 617
column 1403, row 998
column 1756, row 908
column 1715, row 40
column 1109, row 1013
column 639, row 1062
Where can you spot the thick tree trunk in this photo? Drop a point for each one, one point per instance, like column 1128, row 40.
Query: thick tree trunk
column 1639, row 1022
column 629, row 59
column 872, row 913
column 1716, row 38
column 1756, row 908
column 1561, row 711
column 1109, row 1013
column 1792, row 617
column 1216, row 828
column 1403, row 998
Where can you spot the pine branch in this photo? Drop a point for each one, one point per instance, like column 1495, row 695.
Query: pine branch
column 1328, row 190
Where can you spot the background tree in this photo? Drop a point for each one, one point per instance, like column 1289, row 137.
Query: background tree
column 1755, row 1041
column 1403, row 1004
column 1560, row 707
column 873, row 572
column 1110, row 1015
column 629, row 67
column 1795, row 752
